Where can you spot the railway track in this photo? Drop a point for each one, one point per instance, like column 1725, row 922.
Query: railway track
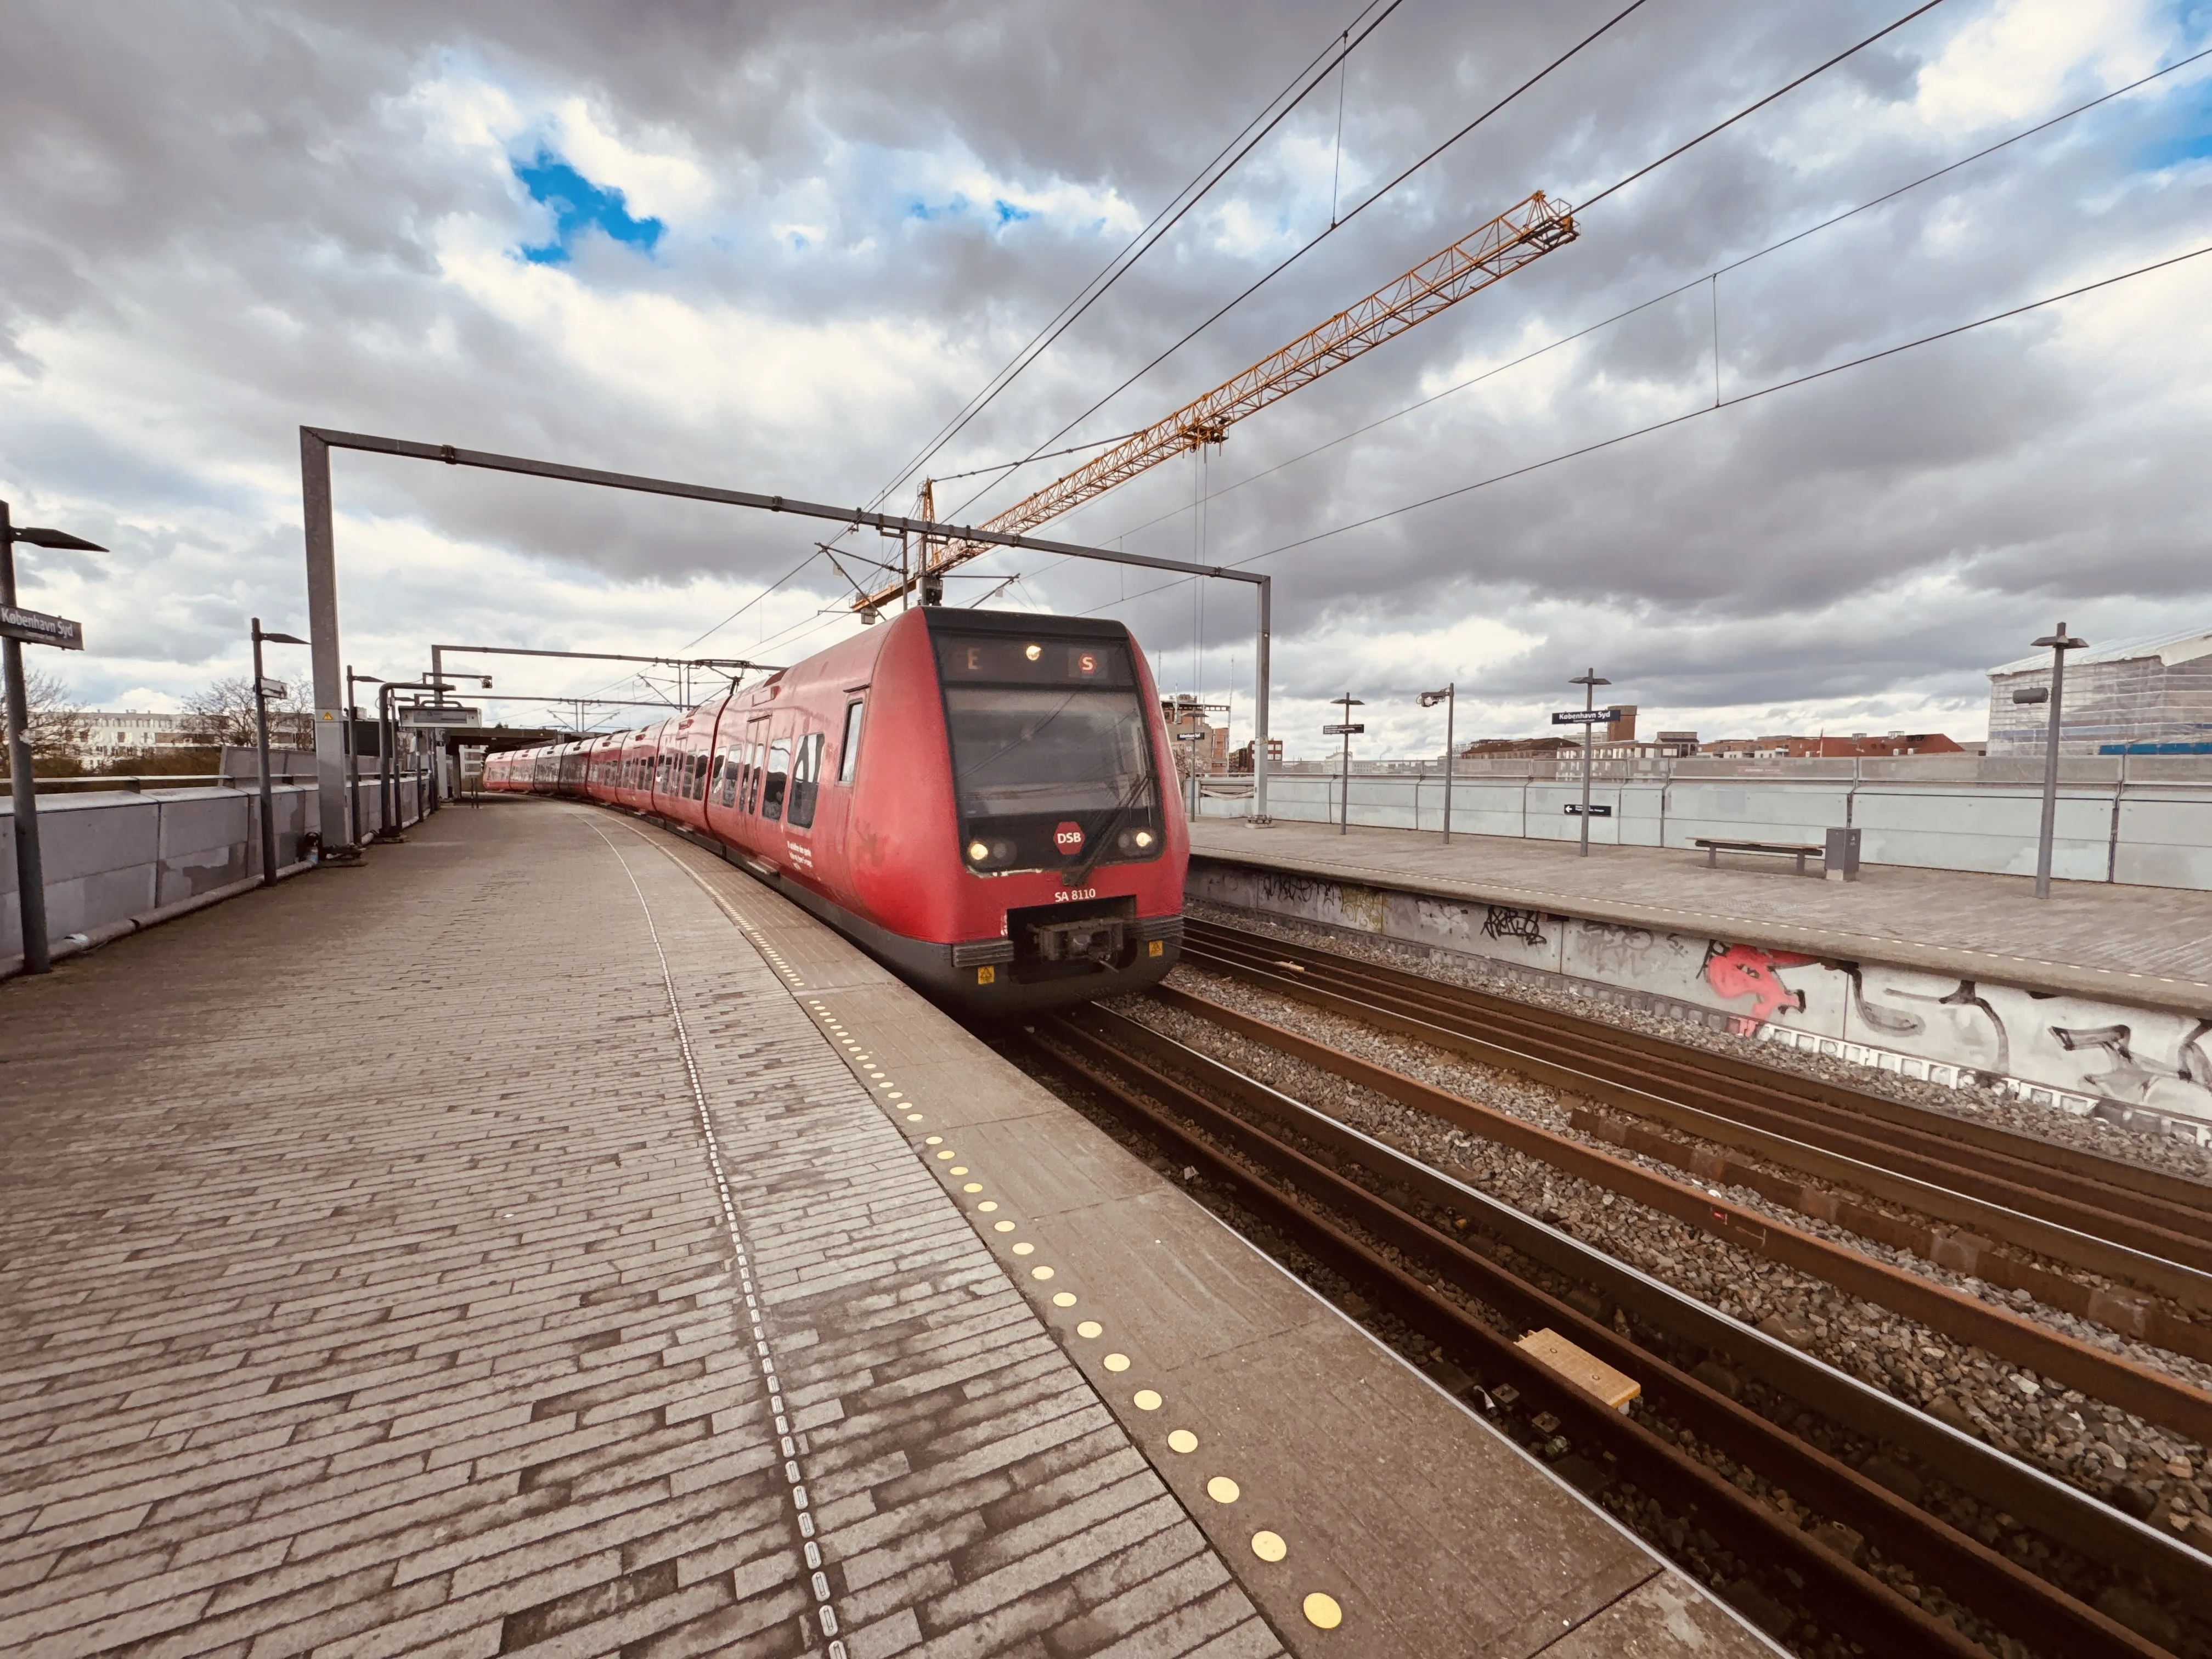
column 1434, row 1252
column 1979, row 1186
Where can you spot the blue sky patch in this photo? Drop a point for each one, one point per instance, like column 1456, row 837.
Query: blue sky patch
column 578, row 205
column 1008, row 212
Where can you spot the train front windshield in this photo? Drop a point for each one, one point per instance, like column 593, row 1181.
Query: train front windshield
column 1050, row 751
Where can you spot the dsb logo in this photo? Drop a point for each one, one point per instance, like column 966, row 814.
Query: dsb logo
column 1068, row 836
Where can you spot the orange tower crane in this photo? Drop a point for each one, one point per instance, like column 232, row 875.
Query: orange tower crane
column 1522, row 234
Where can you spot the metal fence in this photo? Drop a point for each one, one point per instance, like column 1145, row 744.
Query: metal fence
column 2141, row 821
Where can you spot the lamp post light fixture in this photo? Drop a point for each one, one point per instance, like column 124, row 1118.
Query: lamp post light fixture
column 1449, row 698
column 2059, row 642
column 264, row 689
column 1344, row 728
column 16, row 626
column 1590, row 680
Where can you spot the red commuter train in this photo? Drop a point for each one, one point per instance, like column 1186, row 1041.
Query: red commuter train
column 973, row 797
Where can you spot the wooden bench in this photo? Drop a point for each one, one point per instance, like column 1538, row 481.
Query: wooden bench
column 1799, row 851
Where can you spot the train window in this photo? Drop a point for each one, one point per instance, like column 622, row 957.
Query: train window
column 848, row 746
column 694, row 777
column 805, row 779
column 1041, row 772
column 779, row 768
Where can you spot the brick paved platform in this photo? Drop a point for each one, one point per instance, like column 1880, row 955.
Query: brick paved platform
column 574, row 1272
column 2147, row 946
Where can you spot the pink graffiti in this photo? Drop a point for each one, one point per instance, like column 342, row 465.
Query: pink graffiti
column 1745, row 971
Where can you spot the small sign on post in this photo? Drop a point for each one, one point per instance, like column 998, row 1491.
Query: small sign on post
column 447, row 714
column 1351, row 729
column 273, row 688
column 37, row 628
column 1586, row 717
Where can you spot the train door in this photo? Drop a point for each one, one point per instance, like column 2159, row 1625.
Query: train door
column 833, row 807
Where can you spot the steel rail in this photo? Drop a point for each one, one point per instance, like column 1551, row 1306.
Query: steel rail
column 2150, row 1394
column 2072, row 1228
column 1850, row 1599
column 2099, row 1532
column 2170, row 1201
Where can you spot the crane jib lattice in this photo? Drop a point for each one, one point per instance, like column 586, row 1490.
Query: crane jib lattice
column 1523, row 232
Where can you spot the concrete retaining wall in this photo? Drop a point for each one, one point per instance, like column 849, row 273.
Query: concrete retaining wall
column 2147, row 834
column 2135, row 1065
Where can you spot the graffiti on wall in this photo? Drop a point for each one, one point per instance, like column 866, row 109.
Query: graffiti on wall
column 1737, row 971
column 1503, row 922
column 2136, row 1065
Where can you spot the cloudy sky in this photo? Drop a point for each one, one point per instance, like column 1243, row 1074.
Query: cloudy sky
column 778, row 248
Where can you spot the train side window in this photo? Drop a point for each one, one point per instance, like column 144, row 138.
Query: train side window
column 848, row 746
column 805, row 779
column 779, row 771
column 694, row 785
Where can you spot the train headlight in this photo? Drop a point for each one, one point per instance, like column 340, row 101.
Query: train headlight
column 1032, row 652
column 977, row 852
column 1143, row 838
column 1134, row 840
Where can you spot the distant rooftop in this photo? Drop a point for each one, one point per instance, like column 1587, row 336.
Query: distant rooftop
column 2169, row 648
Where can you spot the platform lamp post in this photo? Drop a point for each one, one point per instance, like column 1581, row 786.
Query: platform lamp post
column 1449, row 698
column 2059, row 642
column 17, row 625
column 264, row 689
column 1590, row 680
column 353, row 760
column 1344, row 728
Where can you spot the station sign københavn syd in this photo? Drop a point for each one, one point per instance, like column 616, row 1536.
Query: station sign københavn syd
column 1586, row 717
column 1352, row 730
column 37, row 628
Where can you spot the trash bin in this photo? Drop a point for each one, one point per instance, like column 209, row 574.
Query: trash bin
column 1841, row 862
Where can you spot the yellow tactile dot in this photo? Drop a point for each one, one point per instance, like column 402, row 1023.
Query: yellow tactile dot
column 934, row 1140
column 987, row 1204
column 1321, row 1611
column 1117, row 1362
column 1145, row 1399
column 1040, row 1273
column 957, row 1169
column 1002, row 1226
column 1024, row 1248
column 913, row 1117
column 1064, row 1299
column 1181, row 1440
column 948, row 1154
column 972, row 1186
column 1088, row 1328
column 1269, row 1545
column 1222, row 1490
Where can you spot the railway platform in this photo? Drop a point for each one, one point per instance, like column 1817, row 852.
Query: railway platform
column 2096, row 1001
column 543, row 1239
column 2148, row 944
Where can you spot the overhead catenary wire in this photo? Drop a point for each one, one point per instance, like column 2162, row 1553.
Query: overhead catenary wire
column 1699, row 413
column 1335, row 225
column 1682, row 288
column 1200, row 184
column 1107, row 275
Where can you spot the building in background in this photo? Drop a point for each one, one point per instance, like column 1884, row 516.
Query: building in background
column 2151, row 697
column 110, row 734
column 1200, row 746
column 1240, row 760
column 1857, row 746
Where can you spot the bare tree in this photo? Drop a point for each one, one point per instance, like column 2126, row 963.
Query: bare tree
column 222, row 716
column 58, row 726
